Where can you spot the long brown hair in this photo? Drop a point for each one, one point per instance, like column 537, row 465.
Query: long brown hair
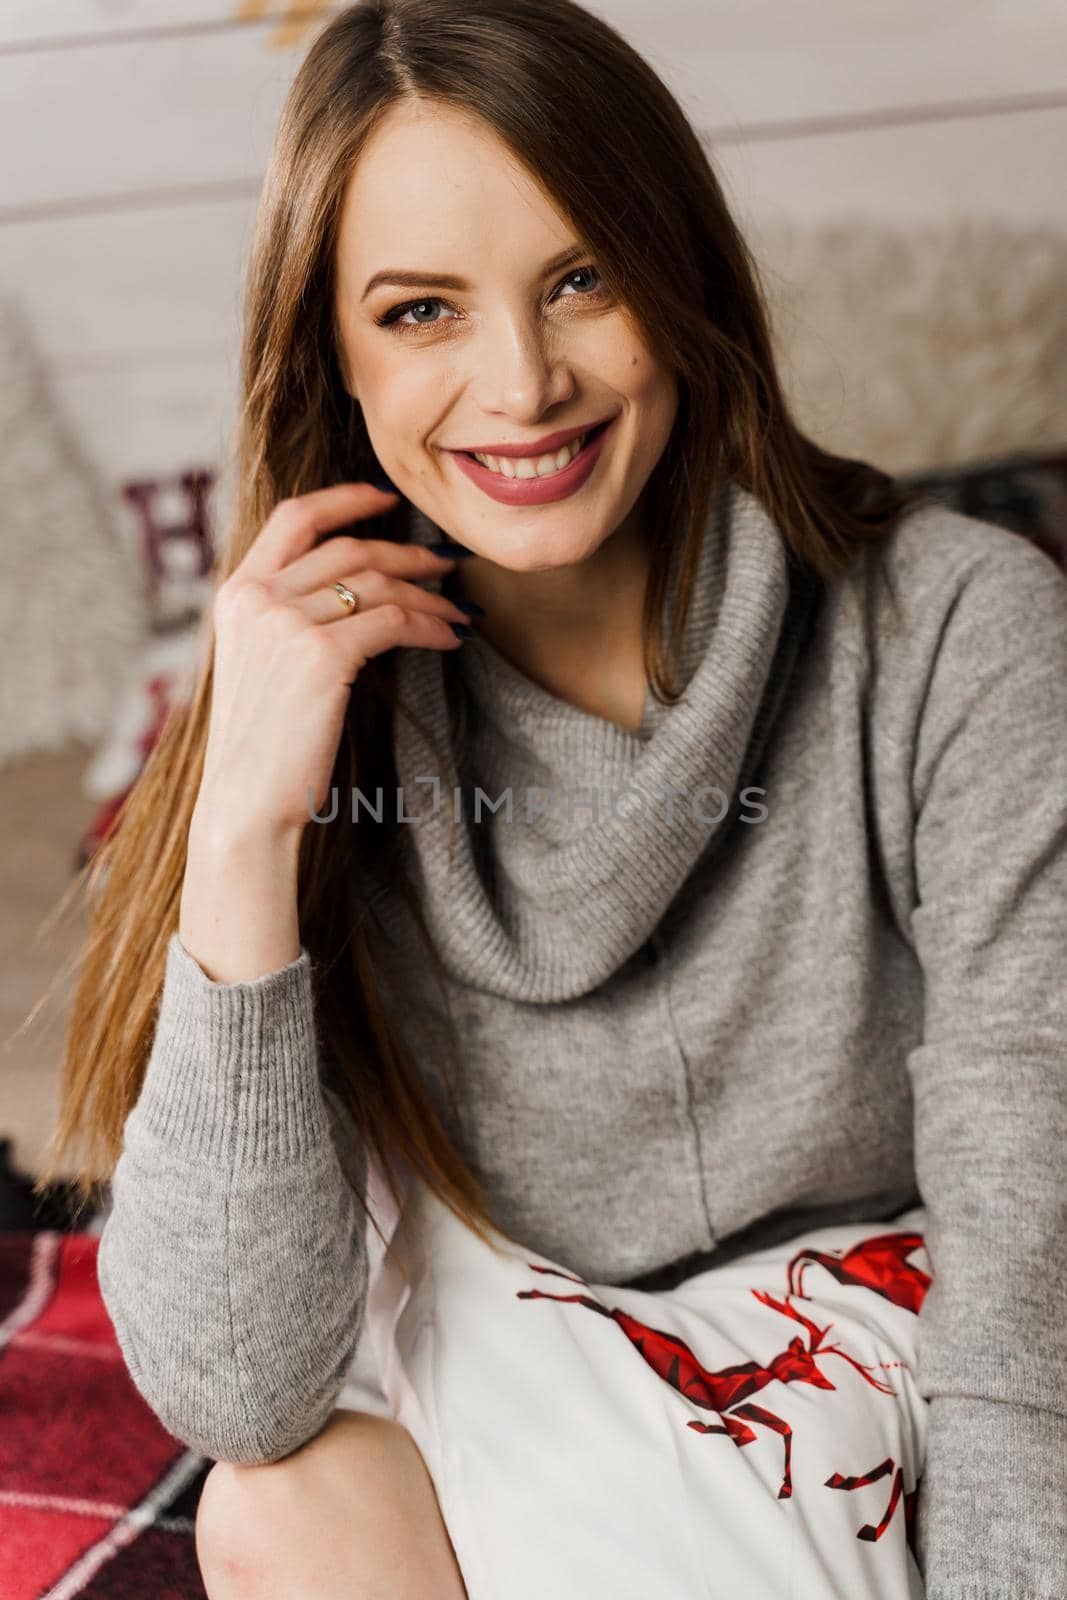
column 591, row 119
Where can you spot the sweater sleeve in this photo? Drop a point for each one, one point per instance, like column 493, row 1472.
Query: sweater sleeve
column 233, row 1261
column 989, row 1083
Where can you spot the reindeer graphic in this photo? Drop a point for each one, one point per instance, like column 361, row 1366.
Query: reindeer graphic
column 878, row 1263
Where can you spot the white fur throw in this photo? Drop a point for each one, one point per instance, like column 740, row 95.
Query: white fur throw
column 71, row 607
column 936, row 346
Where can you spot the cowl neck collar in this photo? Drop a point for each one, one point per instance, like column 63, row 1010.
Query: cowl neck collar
column 546, row 905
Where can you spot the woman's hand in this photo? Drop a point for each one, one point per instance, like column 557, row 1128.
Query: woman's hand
column 287, row 653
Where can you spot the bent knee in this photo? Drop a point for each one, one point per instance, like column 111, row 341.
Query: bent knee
column 250, row 1514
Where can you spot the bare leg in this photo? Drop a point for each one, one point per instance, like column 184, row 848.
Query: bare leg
column 351, row 1515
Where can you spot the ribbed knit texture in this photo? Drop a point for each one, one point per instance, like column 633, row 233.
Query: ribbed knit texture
column 678, row 1043
column 579, row 893
column 239, row 1084
column 233, row 1262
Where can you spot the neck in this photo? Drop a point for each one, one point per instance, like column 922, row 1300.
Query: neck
column 574, row 630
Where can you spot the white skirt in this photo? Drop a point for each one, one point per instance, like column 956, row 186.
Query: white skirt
column 755, row 1432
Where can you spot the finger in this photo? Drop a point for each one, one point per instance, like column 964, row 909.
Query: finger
column 294, row 525
column 345, row 555
column 371, row 633
column 373, row 588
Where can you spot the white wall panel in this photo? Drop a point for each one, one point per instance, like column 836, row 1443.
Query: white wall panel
column 162, row 417
column 131, row 284
column 144, row 116
column 1009, row 167
column 744, row 62
column 28, row 22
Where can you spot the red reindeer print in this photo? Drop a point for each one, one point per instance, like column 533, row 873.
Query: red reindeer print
column 879, row 1264
column 871, row 1530
column 727, row 1390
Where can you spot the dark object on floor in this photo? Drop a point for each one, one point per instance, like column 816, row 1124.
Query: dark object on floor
column 97, row 1500
column 21, row 1208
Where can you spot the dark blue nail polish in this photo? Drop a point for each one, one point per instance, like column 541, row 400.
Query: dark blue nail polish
column 462, row 629
column 449, row 547
column 471, row 607
column 378, row 480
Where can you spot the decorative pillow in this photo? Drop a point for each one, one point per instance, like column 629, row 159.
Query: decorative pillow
column 173, row 522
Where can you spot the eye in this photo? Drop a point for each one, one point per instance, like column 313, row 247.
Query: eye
column 393, row 318
column 577, row 273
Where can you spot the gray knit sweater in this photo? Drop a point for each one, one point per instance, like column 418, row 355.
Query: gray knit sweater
column 810, row 969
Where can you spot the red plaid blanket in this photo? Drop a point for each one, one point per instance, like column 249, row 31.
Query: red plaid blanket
column 97, row 1499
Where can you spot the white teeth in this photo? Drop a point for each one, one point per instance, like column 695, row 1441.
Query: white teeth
column 533, row 466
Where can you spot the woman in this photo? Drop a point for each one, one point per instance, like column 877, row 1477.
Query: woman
column 760, row 971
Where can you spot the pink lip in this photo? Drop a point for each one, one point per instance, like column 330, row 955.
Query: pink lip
column 535, row 491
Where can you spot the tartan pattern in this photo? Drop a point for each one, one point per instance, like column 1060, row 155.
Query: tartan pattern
column 97, row 1500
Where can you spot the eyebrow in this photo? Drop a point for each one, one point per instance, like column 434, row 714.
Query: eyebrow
column 445, row 280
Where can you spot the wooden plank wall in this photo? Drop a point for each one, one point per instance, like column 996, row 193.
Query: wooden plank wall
column 136, row 132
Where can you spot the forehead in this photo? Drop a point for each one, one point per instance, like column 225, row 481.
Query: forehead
column 434, row 187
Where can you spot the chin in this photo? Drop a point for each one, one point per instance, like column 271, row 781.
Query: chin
column 540, row 554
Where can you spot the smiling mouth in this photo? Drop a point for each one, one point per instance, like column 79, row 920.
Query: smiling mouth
column 546, row 466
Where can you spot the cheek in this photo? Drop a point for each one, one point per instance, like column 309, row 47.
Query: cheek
column 654, row 394
column 395, row 398
column 641, row 379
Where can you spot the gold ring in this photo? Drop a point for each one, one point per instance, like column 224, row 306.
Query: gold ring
column 347, row 597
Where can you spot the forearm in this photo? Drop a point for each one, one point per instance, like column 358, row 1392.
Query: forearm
column 992, row 1502
column 238, row 916
column 233, row 1262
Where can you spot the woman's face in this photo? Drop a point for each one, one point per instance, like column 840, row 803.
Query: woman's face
column 514, row 351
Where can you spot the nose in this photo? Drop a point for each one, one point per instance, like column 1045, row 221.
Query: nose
column 521, row 371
